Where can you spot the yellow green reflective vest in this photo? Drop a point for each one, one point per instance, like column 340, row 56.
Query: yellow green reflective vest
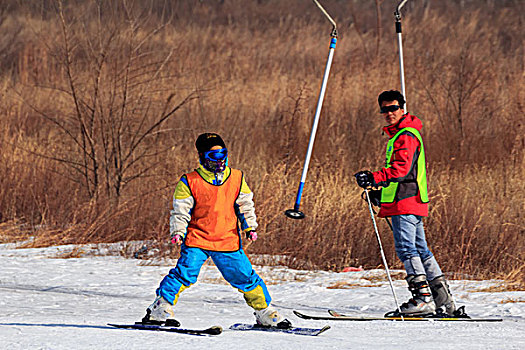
column 388, row 194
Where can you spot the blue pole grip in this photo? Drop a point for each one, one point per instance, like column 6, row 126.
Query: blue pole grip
column 299, row 194
column 333, row 42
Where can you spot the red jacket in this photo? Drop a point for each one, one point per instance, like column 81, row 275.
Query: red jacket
column 403, row 169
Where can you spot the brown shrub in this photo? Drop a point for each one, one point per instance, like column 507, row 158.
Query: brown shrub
column 255, row 69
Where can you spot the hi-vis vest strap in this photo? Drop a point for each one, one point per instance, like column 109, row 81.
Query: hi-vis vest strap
column 213, row 224
column 388, row 194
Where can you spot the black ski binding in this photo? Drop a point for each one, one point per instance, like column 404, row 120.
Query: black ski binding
column 396, row 314
column 284, row 324
column 170, row 322
column 440, row 313
column 460, row 312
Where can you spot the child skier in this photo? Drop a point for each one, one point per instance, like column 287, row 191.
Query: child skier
column 211, row 205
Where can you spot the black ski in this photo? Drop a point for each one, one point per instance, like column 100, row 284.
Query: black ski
column 215, row 330
column 336, row 316
column 291, row 330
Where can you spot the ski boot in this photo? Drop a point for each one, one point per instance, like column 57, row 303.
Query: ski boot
column 160, row 312
column 270, row 317
column 442, row 296
column 421, row 304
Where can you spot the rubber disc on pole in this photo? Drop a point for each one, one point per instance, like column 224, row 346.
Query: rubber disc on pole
column 294, row 214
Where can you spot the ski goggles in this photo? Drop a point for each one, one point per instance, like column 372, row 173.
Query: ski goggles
column 391, row 108
column 216, row 155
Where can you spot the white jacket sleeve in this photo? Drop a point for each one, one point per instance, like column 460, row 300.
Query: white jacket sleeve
column 183, row 202
column 246, row 208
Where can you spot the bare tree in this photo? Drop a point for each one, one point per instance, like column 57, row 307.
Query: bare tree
column 113, row 94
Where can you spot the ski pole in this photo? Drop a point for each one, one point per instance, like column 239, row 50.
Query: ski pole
column 295, row 213
column 397, row 15
column 382, row 252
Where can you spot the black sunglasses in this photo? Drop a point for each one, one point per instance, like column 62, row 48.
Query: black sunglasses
column 391, row 108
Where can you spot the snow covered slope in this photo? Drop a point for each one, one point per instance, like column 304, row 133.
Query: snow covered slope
column 54, row 303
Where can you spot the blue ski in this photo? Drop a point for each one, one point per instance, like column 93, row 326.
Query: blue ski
column 291, row 330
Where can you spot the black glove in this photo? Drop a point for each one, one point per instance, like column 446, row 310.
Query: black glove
column 364, row 179
column 375, row 197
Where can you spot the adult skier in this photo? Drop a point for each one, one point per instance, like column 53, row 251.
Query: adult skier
column 211, row 206
column 404, row 199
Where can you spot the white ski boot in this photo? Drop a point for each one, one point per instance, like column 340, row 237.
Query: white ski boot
column 270, row 317
column 442, row 296
column 421, row 302
column 160, row 312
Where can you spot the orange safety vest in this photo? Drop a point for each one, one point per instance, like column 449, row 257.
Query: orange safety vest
column 213, row 224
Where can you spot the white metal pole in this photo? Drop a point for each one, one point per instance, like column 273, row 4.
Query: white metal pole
column 402, row 69
column 397, row 15
column 295, row 213
column 318, row 112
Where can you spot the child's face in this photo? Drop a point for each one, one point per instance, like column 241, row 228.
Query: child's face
column 216, row 159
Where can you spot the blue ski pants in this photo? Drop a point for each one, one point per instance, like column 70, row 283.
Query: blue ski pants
column 234, row 267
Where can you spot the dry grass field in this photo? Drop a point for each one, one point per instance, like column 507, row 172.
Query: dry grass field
column 101, row 102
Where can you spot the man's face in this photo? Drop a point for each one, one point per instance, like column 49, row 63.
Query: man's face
column 387, row 110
